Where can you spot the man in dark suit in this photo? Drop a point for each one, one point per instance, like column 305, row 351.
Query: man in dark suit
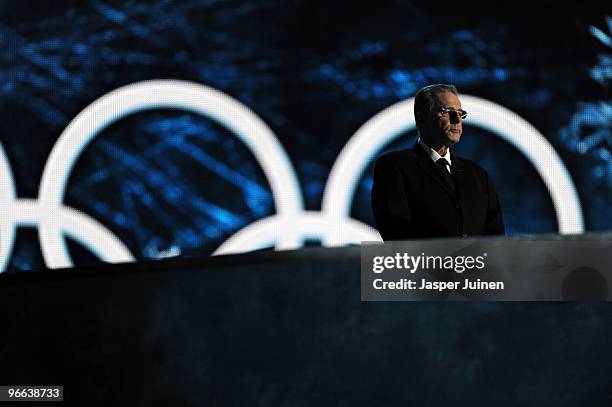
column 426, row 191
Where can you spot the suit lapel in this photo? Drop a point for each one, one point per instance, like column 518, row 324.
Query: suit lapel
column 428, row 166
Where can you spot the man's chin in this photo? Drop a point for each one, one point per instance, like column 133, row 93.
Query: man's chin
column 454, row 137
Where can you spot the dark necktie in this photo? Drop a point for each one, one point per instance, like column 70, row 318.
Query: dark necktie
column 441, row 164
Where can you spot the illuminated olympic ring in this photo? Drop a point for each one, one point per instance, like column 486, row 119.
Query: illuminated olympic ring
column 334, row 226
column 291, row 224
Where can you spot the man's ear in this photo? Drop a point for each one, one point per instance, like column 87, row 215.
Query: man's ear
column 418, row 119
column 421, row 122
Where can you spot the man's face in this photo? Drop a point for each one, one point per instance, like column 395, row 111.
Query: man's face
column 444, row 128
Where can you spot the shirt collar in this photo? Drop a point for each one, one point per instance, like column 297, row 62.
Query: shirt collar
column 433, row 154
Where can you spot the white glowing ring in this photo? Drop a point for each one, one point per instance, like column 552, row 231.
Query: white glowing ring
column 83, row 228
column 309, row 224
column 28, row 212
column 7, row 221
column 158, row 94
column 291, row 224
column 397, row 119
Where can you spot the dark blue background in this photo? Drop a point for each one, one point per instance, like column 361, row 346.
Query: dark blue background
column 314, row 72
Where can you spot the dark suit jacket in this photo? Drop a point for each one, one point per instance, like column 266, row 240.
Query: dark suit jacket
column 411, row 200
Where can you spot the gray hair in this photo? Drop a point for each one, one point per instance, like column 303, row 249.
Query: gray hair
column 425, row 101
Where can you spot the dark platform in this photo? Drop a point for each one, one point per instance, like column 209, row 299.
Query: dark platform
column 289, row 329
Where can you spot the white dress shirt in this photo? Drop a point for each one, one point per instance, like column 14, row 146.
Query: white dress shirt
column 433, row 154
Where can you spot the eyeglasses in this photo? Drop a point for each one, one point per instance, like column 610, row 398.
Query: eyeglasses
column 447, row 111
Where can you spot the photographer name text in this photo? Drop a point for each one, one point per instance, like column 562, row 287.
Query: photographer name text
column 424, row 284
